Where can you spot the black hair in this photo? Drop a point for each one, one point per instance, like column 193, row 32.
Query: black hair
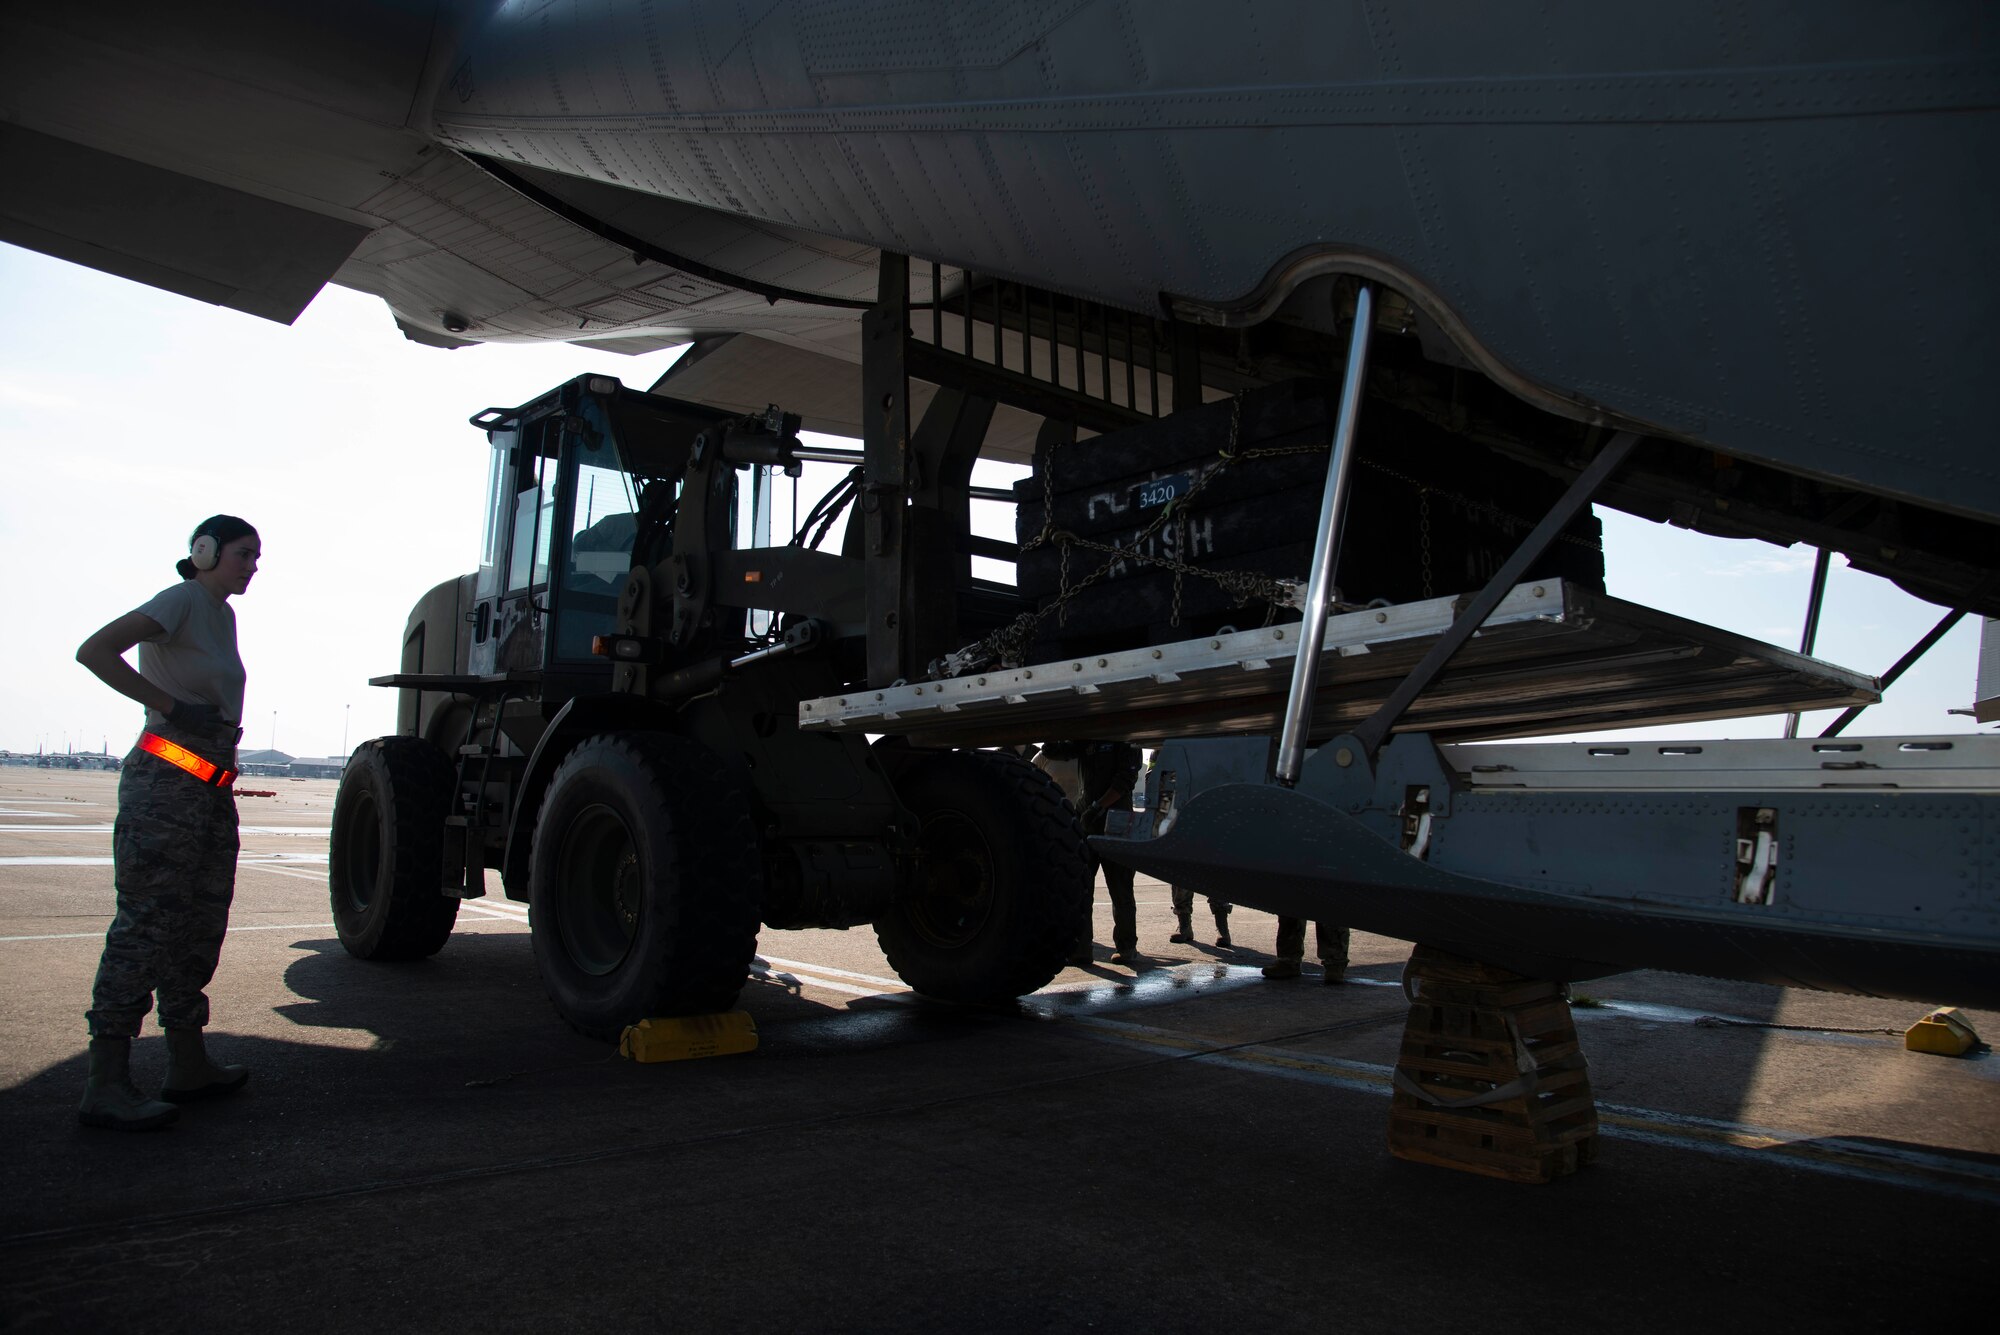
column 225, row 529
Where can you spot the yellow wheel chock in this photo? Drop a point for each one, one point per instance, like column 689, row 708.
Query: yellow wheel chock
column 1943, row 1032
column 673, row 1038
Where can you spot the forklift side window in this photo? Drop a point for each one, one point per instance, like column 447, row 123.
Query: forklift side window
column 603, row 524
column 534, row 522
column 498, row 477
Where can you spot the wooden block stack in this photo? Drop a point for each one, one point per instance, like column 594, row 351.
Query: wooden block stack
column 1491, row 1079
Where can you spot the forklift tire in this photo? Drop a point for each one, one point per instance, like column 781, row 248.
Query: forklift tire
column 385, row 863
column 1003, row 880
column 645, row 885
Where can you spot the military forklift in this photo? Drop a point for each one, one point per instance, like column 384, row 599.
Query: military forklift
column 593, row 715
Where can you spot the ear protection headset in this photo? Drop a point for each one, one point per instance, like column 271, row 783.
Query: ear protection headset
column 204, row 554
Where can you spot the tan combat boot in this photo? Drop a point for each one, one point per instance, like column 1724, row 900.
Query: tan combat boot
column 1186, row 933
column 110, row 1099
column 191, row 1076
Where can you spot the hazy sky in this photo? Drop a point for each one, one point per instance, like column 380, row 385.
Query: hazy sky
column 127, row 415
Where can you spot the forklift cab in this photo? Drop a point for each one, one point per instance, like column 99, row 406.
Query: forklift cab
column 579, row 479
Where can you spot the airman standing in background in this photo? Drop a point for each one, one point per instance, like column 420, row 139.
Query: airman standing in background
column 1184, row 911
column 1291, row 949
column 1108, row 772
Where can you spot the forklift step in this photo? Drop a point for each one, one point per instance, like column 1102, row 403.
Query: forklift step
column 1552, row 658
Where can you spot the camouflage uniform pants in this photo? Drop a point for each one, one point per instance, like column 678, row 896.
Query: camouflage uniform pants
column 1184, row 904
column 173, row 847
column 1332, row 941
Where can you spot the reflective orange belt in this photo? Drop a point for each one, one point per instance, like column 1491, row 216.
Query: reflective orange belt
column 182, row 758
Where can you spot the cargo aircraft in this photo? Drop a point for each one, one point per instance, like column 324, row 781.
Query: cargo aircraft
column 1446, row 273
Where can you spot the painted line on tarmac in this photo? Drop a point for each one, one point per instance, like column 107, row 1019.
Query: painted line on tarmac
column 233, row 929
column 1138, row 989
column 1610, row 1011
column 888, row 985
column 787, row 978
column 318, row 830
column 289, row 873
column 98, row 935
column 265, row 861
column 257, row 927
column 498, row 905
column 489, row 911
column 1936, row 1172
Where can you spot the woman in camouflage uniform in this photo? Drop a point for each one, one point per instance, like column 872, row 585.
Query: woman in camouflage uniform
column 174, row 843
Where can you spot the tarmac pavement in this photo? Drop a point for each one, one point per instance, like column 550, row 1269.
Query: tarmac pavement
column 1181, row 1146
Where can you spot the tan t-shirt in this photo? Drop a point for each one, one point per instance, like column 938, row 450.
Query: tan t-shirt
column 195, row 659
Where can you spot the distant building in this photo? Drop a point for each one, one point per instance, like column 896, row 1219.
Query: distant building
column 265, row 764
column 281, row 765
column 97, row 760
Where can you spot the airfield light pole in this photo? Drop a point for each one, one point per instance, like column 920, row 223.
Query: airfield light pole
column 345, row 710
column 274, row 730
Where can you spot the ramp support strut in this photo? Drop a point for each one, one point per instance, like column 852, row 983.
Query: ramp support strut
column 1326, row 548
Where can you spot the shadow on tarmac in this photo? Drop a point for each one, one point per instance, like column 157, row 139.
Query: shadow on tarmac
column 435, row 1150
column 452, row 1060
column 487, row 973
